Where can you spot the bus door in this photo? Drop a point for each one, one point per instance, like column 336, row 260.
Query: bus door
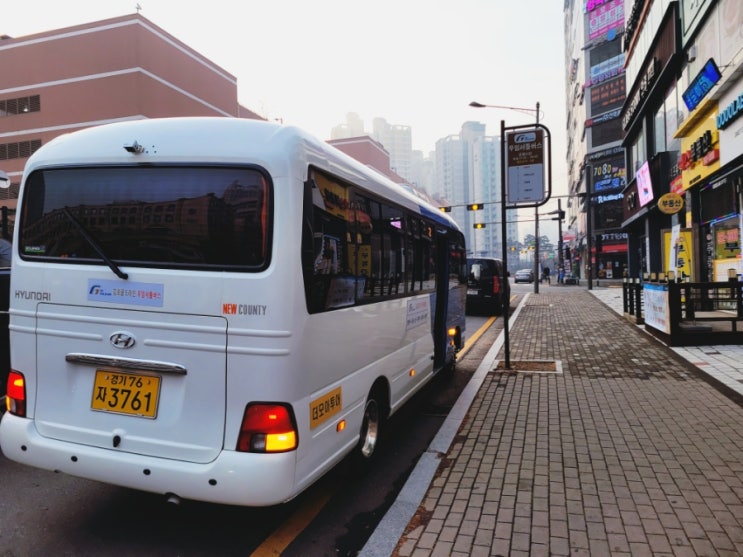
column 442, row 301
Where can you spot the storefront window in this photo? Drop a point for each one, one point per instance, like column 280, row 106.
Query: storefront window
column 674, row 117
column 724, row 248
column 659, row 130
column 637, row 152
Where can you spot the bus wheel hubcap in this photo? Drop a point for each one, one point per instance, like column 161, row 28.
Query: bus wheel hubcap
column 371, row 428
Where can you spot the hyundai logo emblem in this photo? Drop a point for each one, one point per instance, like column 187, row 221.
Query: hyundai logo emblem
column 122, row 340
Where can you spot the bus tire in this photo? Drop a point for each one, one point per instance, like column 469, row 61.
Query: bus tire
column 375, row 413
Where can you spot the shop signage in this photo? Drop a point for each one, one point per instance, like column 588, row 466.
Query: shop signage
column 670, row 203
column 603, row 118
column 600, row 199
column 593, row 4
column 609, row 175
column 596, row 155
column 678, row 251
column 692, row 14
column 614, row 237
column 700, row 153
column 730, row 113
column 631, row 200
column 644, row 184
column 707, row 78
column 609, row 15
column 607, row 69
column 607, row 95
column 646, row 83
column 656, row 311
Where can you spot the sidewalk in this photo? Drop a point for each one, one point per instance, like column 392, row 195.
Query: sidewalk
column 629, row 448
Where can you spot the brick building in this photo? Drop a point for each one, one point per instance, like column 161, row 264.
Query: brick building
column 123, row 68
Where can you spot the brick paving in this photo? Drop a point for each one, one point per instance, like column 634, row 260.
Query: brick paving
column 631, row 450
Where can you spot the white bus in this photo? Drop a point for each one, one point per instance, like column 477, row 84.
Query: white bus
column 219, row 309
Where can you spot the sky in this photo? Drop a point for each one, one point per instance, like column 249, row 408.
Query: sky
column 416, row 63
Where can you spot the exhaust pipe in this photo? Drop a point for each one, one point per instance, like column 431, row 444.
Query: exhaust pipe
column 172, row 499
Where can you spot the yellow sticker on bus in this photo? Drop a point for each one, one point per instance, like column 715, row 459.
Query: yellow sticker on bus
column 325, row 407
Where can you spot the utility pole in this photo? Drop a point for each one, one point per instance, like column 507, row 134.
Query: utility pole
column 589, row 224
column 560, row 263
column 537, row 274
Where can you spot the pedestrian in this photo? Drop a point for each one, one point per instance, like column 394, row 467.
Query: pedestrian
column 561, row 276
column 546, row 274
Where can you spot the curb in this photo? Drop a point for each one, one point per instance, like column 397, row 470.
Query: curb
column 391, row 528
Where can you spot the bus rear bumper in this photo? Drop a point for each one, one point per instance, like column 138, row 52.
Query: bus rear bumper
column 232, row 478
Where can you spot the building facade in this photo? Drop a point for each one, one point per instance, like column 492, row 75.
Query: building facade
column 595, row 244
column 684, row 137
column 117, row 69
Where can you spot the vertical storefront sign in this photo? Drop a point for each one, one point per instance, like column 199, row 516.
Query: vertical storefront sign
column 678, row 252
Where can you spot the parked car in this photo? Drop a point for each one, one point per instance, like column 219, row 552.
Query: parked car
column 524, row 275
column 486, row 290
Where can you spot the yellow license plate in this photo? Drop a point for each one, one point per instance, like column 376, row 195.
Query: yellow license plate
column 323, row 408
column 133, row 394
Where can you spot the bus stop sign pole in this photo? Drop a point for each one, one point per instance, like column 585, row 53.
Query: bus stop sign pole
column 525, row 186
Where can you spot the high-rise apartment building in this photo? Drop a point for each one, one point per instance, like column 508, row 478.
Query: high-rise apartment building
column 468, row 172
column 398, row 140
column 422, row 170
column 353, row 127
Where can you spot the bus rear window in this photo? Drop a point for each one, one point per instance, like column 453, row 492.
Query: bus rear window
column 195, row 217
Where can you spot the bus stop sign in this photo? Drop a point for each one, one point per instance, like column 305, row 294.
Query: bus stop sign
column 525, row 157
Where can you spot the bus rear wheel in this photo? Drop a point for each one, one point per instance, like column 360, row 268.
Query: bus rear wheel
column 370, row 428
column 376, row 410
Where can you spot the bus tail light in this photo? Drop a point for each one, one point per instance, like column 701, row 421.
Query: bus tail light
column 455, row 336
column 15, row 398
column 267, row 428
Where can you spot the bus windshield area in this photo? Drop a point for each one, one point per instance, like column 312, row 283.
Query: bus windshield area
column 176, row 216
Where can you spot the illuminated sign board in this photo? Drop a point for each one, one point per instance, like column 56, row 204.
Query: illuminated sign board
column 607, row 16
column 608, row 95
column 644, row 184
column 607, row 69
column 700, row 153
column 730, row 113
column 701, row 85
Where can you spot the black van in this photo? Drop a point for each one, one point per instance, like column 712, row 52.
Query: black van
column 486, row 290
